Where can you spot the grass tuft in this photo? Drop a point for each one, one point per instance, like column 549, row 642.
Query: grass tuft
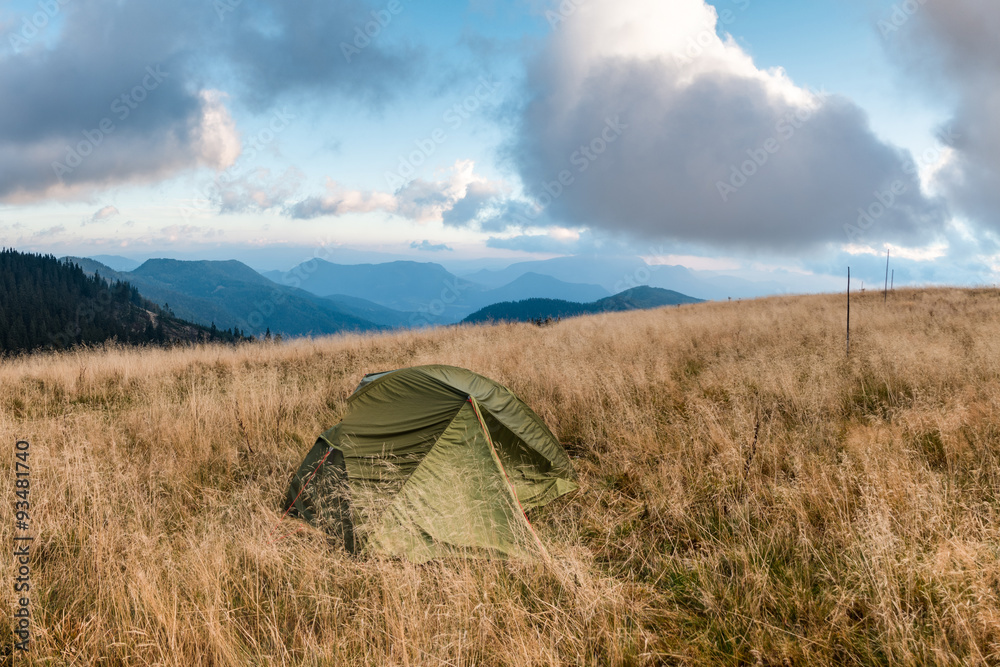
column 749, row 496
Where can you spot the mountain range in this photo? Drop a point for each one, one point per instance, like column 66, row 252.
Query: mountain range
column 320, row 297
column 527, row 310
column 231, row 294
column 425, row 288
column 619, row 273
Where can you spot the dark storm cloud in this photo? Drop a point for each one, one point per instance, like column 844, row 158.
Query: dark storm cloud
column 344, row 47
column 506, row 213
column 126, row 91
column 702, row 147
column 953, row 48
column 77, row 104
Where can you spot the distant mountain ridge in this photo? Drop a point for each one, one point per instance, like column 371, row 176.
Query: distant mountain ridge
column 387, row 317
column 230, row 293
column 637, row 298
column 424, row 291
column 320, row 297
column 117, row 262
column 403, row 286
column 530, row 285
column 617, row 273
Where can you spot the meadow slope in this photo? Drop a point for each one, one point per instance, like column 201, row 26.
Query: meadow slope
column 860, row 526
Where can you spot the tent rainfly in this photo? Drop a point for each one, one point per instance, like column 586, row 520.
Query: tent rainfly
column 428, row 462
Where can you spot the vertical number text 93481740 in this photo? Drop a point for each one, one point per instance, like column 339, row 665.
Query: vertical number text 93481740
column 22, row 544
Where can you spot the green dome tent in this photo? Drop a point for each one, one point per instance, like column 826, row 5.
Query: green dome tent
column 431, row 461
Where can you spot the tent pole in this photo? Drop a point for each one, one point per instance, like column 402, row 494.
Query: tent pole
column 886, row 297
column 848, row 311
column 510, row 484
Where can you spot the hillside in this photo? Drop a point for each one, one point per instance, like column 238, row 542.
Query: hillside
column 402, row 286
column 749, row 495
column 615, row 274
column 421, row 291
column 48, row 304
column 527, row 310
column 117, row 262
column 535, row 285
column 231, row 294
column 380, row 315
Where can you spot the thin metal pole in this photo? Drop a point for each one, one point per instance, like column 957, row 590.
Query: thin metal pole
column 848, row 310
column 886, row 297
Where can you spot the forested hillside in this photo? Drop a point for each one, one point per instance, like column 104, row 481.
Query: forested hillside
column 527, row 310
column 231, row 294
column 48, row 304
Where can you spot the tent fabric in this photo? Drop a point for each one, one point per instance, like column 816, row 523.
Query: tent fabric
column 432, row 461
column 456, row 499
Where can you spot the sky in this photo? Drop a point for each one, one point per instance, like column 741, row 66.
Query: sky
column 767, row 139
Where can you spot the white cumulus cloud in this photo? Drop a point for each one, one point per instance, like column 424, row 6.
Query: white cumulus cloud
column 419, row 200
column 641, row 118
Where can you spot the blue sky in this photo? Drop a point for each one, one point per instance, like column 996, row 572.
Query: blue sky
column 269, row 131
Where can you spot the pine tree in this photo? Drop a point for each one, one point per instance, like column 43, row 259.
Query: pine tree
column 46, row 303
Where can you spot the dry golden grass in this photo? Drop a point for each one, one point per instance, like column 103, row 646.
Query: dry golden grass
column 862, row 527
